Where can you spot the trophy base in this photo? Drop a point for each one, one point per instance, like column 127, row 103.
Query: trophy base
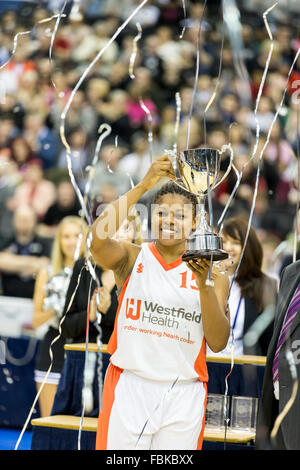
column 215, row 255
column 206, row 245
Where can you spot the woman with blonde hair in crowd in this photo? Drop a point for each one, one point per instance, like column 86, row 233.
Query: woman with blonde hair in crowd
column 49, row 299
column 252, row 290
column 68, row 399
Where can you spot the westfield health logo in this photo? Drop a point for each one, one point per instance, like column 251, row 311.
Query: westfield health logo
column 133, row 308
column 152, row 312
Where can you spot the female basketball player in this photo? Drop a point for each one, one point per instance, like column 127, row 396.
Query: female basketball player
column 154, row 393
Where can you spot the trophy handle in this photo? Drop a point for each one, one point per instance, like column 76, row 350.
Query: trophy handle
column 173, row 155
column 223, row 149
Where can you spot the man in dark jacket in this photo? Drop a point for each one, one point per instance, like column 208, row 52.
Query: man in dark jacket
column 282, row 369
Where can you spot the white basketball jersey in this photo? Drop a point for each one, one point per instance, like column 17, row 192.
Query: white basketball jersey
column 158, row 332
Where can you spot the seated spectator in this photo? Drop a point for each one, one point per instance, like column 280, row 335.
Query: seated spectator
column 107, row 171
column 8, row 130
column 137, row 163
column 20, row 63
column 150, row 89
column 289, row 252
column 216, row 139
column 114, row 112
column 8, row 17
column 150, row 57
column 265, row 115
column 271, row 260
column 277, row 218
column 186, row 96
column 190, row 134
column 10, row 177
column 79, row 153
column 28, row 88
column 280, row 164
column 136, row 115
column 167, row 127
column 66, row 204
column 93, row 43
column 44, row 141
column 48, row 300
column 23, row 256
column 81, row 116
column 118, row 76
column 244, row 194
column 21, row 152
column 34, row 190
column 74, row 31
column 291, row 128
column 228, row 107
column 97, row 90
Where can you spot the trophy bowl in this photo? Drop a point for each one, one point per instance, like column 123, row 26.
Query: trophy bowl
column 197, row 171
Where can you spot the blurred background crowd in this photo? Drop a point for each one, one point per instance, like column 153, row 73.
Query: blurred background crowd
column 35, row 187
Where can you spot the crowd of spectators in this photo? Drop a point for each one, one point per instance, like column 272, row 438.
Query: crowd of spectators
column 35, row 91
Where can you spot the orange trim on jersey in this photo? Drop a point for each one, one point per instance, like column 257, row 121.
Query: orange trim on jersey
column 161, row 260
column 200, row 365
column 113, row 342
column 111, row 380
column 200, row 439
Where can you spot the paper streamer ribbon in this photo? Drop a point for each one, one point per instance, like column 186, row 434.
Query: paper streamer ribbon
column 184, row 20
column 134, row 50
column 177, row 120
column 211, row 100
column 60, row 15
column 195, row 79
column 231, row 15
column 155, row 409
column 150, row 122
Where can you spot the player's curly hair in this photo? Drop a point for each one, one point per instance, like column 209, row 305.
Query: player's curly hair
column 173, row 188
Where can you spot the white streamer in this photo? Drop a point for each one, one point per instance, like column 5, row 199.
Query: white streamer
column 195, row 79
column 177, row 120
column 150, row 133
column 184, row 19
column 134, row 51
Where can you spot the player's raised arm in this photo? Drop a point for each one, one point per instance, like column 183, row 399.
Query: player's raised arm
column 110, row 253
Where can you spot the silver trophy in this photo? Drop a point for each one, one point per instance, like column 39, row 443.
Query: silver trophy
column 199, row 170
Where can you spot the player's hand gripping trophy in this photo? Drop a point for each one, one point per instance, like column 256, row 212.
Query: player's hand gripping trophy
column 197, row 171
